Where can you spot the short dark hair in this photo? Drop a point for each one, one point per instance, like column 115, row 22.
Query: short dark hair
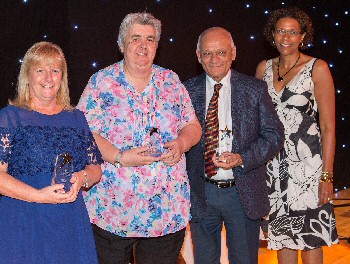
column 290, row 12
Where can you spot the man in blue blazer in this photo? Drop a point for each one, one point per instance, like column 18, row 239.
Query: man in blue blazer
column 250, row 134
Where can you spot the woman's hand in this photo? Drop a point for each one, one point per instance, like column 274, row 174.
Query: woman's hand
column 325, row 192
column 137, row 157
column 77, row 181
column 55, row 194
column 12, row 187
column 175, row 150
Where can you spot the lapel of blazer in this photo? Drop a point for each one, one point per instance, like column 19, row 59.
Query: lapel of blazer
column 197, row 90
column 201, row 96
column 236, row 109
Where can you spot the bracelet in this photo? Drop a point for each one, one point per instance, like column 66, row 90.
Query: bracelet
column 86, row 180
column 326, row 176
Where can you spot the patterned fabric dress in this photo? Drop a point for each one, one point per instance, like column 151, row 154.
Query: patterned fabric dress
column 142, row 201
column 37, row 233
column 295, row 220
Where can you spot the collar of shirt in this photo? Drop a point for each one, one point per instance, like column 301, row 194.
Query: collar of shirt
column 226, row 84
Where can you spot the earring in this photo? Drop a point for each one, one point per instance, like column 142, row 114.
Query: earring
column 273, row 43
column 301, row 44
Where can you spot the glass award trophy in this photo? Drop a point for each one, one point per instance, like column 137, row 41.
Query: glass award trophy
column 63, row 170
column 155, row 143
column 225, row 141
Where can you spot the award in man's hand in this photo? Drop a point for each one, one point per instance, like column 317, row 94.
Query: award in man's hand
column 63, row 170
column 156, row 145
column 225, row 140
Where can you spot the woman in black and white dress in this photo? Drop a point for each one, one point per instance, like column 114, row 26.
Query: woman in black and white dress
column 301, row 176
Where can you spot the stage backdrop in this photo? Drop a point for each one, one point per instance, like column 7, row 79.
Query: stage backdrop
column 87, row 32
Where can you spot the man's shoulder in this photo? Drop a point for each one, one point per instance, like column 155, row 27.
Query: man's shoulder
column 195, row 81
column 246, row 79
column 248, row 85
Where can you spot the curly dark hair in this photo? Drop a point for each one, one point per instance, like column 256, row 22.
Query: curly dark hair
column 290, row 12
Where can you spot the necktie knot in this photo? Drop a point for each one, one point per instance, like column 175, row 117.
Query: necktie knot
column 217, row 87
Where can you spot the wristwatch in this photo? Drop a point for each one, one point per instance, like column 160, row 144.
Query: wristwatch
column 117, row 163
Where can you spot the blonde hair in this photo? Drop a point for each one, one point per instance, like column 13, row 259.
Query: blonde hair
column 42, row 53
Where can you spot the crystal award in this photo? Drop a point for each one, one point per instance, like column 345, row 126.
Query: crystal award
column 225, row 141
column 155, row 143
column 63, row 170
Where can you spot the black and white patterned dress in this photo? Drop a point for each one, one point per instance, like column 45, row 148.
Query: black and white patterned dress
column 295, row 220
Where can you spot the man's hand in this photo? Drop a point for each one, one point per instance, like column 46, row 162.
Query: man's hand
column 227, row 160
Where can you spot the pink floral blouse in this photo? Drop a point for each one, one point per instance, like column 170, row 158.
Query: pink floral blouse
column 145, row 201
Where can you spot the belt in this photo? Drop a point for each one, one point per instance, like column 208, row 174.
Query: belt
column 221, row 184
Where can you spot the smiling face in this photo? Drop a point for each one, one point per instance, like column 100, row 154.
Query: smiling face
column 286, row 42
column 216, row 53
column 44, row 82
column 140, row 46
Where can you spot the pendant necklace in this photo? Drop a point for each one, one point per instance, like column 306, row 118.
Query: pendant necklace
column 280, row 78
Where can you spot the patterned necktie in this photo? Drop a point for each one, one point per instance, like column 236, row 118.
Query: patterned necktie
column 212, row 133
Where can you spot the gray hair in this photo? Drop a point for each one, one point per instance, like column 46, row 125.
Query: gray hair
column 213, row 29
column 141, row 19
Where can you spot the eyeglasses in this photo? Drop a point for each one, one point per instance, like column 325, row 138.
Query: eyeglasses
column 291, row 33
column 220, row 53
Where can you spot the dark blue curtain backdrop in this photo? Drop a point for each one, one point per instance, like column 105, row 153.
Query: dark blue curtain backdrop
column 87, row 32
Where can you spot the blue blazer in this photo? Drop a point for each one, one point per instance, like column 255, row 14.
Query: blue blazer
column 258, row 136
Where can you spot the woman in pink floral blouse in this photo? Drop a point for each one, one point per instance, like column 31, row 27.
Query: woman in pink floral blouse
column 143, row 122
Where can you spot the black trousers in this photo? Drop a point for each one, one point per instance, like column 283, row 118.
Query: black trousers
column 113, row 249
